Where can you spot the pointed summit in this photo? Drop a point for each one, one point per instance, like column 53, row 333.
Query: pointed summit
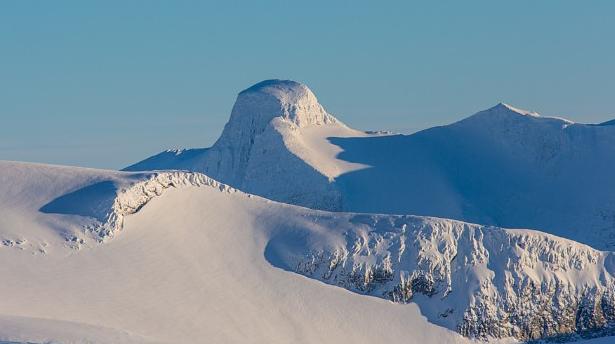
column 503, row 107
column 499, row 113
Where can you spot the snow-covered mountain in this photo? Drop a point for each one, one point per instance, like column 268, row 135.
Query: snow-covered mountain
column 275, row 145
column 502, row 166
column 233, row 243
column 203, row 260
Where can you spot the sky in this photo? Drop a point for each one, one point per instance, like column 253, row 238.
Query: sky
column 107, row 83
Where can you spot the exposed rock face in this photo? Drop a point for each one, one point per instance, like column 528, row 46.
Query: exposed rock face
column 482, row 281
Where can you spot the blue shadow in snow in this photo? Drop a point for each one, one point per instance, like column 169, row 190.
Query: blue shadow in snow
column 93, row 201
column 441, row 172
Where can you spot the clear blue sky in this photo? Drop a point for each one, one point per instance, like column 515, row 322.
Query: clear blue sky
column 107, row 83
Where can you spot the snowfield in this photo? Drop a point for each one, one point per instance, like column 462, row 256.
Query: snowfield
column 294, row 227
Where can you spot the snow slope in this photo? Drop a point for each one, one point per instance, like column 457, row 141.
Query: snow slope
column 502, row 166
column 27, row 187
column 189, row 266
column 195, row 260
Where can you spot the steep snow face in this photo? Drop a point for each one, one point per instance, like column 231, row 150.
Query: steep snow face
column 289, row 102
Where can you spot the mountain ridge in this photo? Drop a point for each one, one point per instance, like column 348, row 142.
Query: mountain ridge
column 502, row 166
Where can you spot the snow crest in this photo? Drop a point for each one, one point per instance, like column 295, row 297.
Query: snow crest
column 130, row 199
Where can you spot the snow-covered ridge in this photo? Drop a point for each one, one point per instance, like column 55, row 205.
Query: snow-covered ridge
column 126, row 197
column 507, row 115
column 134, row 197
column 480, row 281
column 504, row 106
column 611, row 122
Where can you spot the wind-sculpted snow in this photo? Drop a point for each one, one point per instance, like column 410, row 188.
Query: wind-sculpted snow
column 481, row 281
column 110, row 201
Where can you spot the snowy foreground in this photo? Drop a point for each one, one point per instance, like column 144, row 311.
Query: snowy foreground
column 190, row 266
column 202, row 260
column 174, row 256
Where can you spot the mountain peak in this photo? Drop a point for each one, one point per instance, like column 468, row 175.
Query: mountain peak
column 259, row 104
column 499, row 112
column 261, row 113
column 287, row 99
column 504, row 114
column 276, row 86
column 503, row 107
